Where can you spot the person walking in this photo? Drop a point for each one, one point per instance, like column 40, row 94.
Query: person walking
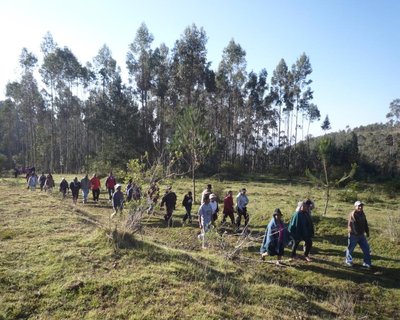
column 64, row 187
column 110, row 185
column 49, row 183
column 42, row 180
column 241, row 202
column 85, row 185
column 187, row 203
column 117, row 200
column 129, row 190
column 205, row 220
column 214, row 206
column 207, row 190
column 32, row 181
column 358, row 231
column 228, row 208
column 301, row 228
column 75, row 186
column 169, row 199
column 275, row 237
column 95, row 187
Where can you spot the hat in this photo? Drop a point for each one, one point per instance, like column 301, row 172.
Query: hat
column 213, row 196
column 277, row 211
column 117, row 186
column 358, row 203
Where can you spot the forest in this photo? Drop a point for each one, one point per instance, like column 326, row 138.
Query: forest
column 63, row 116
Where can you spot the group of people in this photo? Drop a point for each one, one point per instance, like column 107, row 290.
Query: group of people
column 277, row 234
column 301, row 228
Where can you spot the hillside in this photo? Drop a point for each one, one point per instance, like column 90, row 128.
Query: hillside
column 57, row 262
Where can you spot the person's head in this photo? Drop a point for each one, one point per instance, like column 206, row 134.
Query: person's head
column 94, row 175
column 206, row 198
column 86, row 176
column 118, row 187
column 76, row 179
column 168, row 189
column 213, row 197
column 243, row 191
column 305, row 206
column 110, row 174
column 359, row 206
column 277, row 214
column 230, row 193
column 190, row 193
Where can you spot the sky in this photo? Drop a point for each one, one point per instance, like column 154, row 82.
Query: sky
column 353, row 45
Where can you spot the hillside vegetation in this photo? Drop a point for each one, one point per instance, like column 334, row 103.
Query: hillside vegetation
column 57, row 261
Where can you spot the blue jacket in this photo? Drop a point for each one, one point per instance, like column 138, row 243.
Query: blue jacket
column 271, row 237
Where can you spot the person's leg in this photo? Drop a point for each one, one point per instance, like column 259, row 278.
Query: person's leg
column 239, row 218
column 363, row 242
column 294, row 247
column 246, row 217
column 351, row 244
column 308, row 245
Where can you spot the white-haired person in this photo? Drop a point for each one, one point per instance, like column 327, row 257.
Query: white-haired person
column 358, row 232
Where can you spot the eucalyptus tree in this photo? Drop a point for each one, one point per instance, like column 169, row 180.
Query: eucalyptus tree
column 49, row 73
column 29, row 105
column 394, row 111
column 189, row 65
column 140, row 66
column 10, row 132
column 160, row 91
column 110, row 114
column 279, row 92
column 255, row 118
column 231, row 77
column 326, row 124
column 301, row 90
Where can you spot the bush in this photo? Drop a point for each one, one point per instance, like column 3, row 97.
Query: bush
column 392, row 187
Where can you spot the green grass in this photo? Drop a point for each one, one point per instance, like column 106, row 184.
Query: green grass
column 57, row 261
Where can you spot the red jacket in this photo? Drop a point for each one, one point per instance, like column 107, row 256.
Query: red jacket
column 228, row 205
column 95, row 183
column 110, row 182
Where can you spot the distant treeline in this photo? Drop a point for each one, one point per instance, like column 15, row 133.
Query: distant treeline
column 62, row 116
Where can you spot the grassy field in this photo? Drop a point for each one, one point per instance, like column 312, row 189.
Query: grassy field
column 57, row 261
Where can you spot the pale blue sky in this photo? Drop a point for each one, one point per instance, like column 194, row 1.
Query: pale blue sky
column 353, row 45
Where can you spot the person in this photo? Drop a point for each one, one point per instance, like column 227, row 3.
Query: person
column 42, row 180
column 64, row 187
column 205, row 219
column 214, row 206
column 152, row 197
column 110, row 185
column 274, row 238
column 95, row 187
column 208, row 191
column 75, row 186
column 117, row 200
column 357, row 229
column 49, row 183
column 32, row 181
column 241, row 203
column 137, row 192
column 301, row 228
column 85, row 185
column 187, row 203
column 169, row 199
column 129, row 190
column 228, row 208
